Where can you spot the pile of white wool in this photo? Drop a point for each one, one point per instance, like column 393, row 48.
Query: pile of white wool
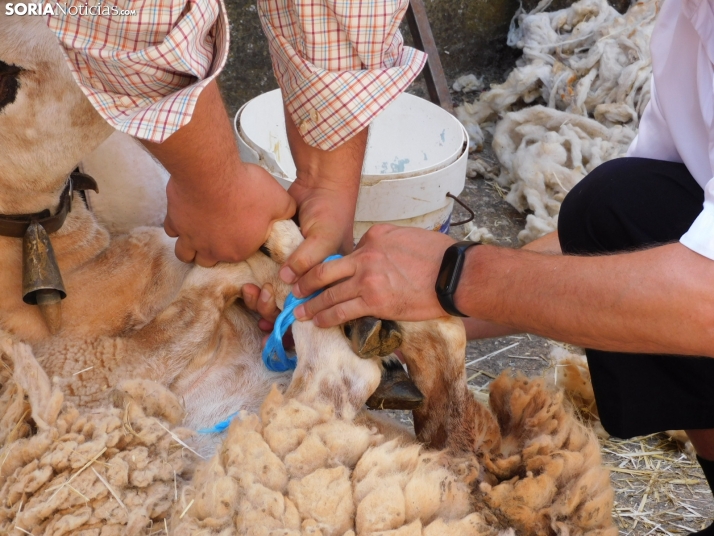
column 572, row 102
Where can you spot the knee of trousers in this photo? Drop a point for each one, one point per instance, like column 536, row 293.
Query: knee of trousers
column 584, row 210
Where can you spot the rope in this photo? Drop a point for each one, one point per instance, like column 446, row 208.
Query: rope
column 220, row 427
column 274, row 355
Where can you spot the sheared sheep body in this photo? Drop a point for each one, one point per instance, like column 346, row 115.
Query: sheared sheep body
column 132, row 309
column 306, row 466
column 311, row 462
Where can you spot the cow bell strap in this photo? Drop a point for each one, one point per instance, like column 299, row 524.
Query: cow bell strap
column 16, row 225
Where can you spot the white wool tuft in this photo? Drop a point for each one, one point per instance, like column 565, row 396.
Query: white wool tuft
column 588, row 70
column 468, row 83
column 572, row 375
column 477, row 234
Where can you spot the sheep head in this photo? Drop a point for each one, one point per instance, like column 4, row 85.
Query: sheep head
column 46, row 123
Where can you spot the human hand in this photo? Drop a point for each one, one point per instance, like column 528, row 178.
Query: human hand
column 325, row 190
column 261, row 301
column 391, row 275
column 220, row 208
column 225, row 220
column 326, row 217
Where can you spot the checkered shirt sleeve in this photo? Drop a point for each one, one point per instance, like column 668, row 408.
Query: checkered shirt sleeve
column 144, row 72
column 339, row 63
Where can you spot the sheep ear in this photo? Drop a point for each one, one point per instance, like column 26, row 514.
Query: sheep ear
column 371, row 337
column 396, row 390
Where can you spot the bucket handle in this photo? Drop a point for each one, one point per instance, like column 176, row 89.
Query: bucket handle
column 472, row 214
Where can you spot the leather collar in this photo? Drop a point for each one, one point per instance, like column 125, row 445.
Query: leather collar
column 16, row 225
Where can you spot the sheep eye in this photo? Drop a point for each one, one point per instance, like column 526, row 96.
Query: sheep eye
column 8, row 83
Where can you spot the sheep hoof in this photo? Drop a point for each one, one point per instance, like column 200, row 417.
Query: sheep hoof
column 396, row 390
column 371, row 337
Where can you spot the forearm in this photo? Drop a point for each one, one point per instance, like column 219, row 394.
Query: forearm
column 482, row 329
column 341, row 167
column 336, row 173
column 659, row 300
column 325, row 191
column 202, row 154
column 220, row 208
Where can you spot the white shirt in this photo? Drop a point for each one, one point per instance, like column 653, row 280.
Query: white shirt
column 678, row 123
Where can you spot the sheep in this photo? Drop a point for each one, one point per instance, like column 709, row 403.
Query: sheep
column 151, row 349
column 132, row 310
column 312, row 462
column 49, row 445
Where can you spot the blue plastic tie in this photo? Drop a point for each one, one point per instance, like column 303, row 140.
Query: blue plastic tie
column 220, row 427
column 274, row 355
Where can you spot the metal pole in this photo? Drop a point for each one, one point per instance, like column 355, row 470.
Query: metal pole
column 424, row 40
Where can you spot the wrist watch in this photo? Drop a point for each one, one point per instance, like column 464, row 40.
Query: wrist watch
column 449, row 274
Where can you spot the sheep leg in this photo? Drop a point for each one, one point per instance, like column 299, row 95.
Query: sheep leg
column 372, row 337
column 190, row 323
column 449, row 417
column 369, row 337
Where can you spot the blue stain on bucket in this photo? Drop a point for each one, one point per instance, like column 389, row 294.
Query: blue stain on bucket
column 398, row 166
column 446, row 226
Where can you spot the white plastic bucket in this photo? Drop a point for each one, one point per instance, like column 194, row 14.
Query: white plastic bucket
column 416, row 153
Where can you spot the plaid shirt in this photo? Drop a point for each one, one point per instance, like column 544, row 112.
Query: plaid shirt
column 338, row 62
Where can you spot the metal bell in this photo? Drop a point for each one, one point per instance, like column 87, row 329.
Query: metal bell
column 41, row 279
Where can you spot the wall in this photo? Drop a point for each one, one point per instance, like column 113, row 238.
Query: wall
column 470, row 35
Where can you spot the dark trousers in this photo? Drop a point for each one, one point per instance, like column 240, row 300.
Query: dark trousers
column 625, row 205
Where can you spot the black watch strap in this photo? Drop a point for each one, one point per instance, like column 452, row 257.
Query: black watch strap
column 449, row 274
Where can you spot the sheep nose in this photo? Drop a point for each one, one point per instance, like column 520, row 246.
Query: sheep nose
column 372, row 337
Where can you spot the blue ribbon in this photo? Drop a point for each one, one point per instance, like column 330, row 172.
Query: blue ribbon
column 220, row 427
column 274, row 355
